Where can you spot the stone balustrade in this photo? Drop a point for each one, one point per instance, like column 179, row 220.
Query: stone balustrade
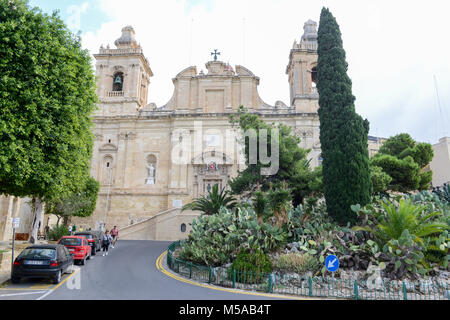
column 114, row 94
column 121, row 51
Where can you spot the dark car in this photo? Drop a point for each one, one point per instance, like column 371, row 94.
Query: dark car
column 42, row 261
column 99, row 234
column 93, row 240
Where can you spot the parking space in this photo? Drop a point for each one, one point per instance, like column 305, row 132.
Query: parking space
column 30, row 284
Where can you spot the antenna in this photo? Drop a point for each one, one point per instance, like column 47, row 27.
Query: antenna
column 190, row 49
column 243, row 41
column 442, row 114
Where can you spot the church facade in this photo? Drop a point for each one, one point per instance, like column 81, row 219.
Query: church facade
column 150, row 160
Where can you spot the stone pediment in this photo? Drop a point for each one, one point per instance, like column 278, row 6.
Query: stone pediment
column 108, row 147
column 221, row 90
column 242, row 71
column 219, row 68
column 188, row 72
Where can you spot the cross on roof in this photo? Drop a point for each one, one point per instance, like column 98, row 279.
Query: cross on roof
column 215, row 54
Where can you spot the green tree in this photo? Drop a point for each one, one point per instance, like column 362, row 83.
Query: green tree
column 403, row 159
column 47, row 95
column 380, row 179
column 294, row 167
column 343, row 133
column 212, row 203
column 80, row 204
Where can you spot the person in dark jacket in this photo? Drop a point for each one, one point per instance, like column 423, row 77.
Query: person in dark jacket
column 106, row 241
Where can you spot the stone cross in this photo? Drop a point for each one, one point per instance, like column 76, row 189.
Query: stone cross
column 215, row 54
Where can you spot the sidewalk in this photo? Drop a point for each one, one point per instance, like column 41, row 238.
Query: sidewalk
column 4, row 276
column 5, row 257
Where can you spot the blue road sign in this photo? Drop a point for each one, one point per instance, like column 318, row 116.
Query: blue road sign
column 332, row 263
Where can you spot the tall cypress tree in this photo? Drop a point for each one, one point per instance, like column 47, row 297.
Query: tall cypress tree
column 343, row 133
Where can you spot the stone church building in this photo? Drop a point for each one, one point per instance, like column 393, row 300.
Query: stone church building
column 151, row 160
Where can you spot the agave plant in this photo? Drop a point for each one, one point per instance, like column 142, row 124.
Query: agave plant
column 444, row 193
column 407, row 216
column 212, row 203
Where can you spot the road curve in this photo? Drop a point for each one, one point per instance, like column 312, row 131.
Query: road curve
column 130, row 272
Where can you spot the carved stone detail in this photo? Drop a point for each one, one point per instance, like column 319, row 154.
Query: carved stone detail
column 127, row 136
column 304, row 133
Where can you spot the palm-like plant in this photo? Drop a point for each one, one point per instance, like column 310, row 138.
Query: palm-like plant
column 212, row 203
column 407, row 216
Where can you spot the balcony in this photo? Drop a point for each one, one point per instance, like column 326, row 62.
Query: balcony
column 115, row 94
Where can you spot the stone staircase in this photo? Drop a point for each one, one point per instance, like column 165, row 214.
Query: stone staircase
column 164, row 226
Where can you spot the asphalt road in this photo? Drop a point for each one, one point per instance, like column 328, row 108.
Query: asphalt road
column 129, row 272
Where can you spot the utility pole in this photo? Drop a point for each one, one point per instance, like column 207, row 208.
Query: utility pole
column 107, row 196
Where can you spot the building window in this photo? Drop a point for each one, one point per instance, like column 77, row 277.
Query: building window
column 320, row 160
column 314, row 76
column 183, row 228
column 118, row 82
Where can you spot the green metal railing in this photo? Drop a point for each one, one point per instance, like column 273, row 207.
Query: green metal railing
column 325, row 287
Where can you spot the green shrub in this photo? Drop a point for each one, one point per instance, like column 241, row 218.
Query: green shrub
column 251, row 267
column 216, row 240
column 57, row 232
column 298, row 263
column 411, row 232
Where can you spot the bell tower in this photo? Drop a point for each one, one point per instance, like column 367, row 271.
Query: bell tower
column 302, row 71
column 123, row 76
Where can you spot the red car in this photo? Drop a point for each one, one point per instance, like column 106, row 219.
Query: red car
column 78, row 246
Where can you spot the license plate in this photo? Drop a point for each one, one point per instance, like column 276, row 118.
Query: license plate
column 71, row 250
column 34, row 262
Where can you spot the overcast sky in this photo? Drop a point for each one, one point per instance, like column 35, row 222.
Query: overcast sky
column 395, row 48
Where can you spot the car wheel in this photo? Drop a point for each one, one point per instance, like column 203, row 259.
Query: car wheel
column 57, row 278
column 89, row 257
column 94, row 251
column 15, row 279
column 83, row 262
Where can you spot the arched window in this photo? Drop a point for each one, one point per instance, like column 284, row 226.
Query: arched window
column 314, row 76
column 107, row 170
column 118, row 81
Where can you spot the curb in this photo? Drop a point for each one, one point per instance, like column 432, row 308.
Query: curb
column 161, row 265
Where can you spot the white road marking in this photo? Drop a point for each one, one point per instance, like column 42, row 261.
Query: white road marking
column 43, row 296
column 20, row 294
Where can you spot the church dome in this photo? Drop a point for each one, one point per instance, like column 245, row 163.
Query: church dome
column 127, row 39
column 310, row 31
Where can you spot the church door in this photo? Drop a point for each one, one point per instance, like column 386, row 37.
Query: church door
column 209, row 184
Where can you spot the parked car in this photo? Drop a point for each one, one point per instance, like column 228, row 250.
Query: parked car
column 93, row 240
column 42, row 261
column 79, row 246
column 99, row 234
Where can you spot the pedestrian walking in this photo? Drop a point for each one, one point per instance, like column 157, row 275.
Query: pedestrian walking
column 114, row 236
column 106, row 241
column 70, row 230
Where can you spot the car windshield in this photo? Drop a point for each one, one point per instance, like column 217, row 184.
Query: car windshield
column 70, row 242
column 38, row 253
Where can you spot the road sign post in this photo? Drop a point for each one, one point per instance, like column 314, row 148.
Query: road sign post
column 15, row 224
column 332, row 265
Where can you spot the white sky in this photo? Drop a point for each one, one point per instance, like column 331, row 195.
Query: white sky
column 394, row 48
